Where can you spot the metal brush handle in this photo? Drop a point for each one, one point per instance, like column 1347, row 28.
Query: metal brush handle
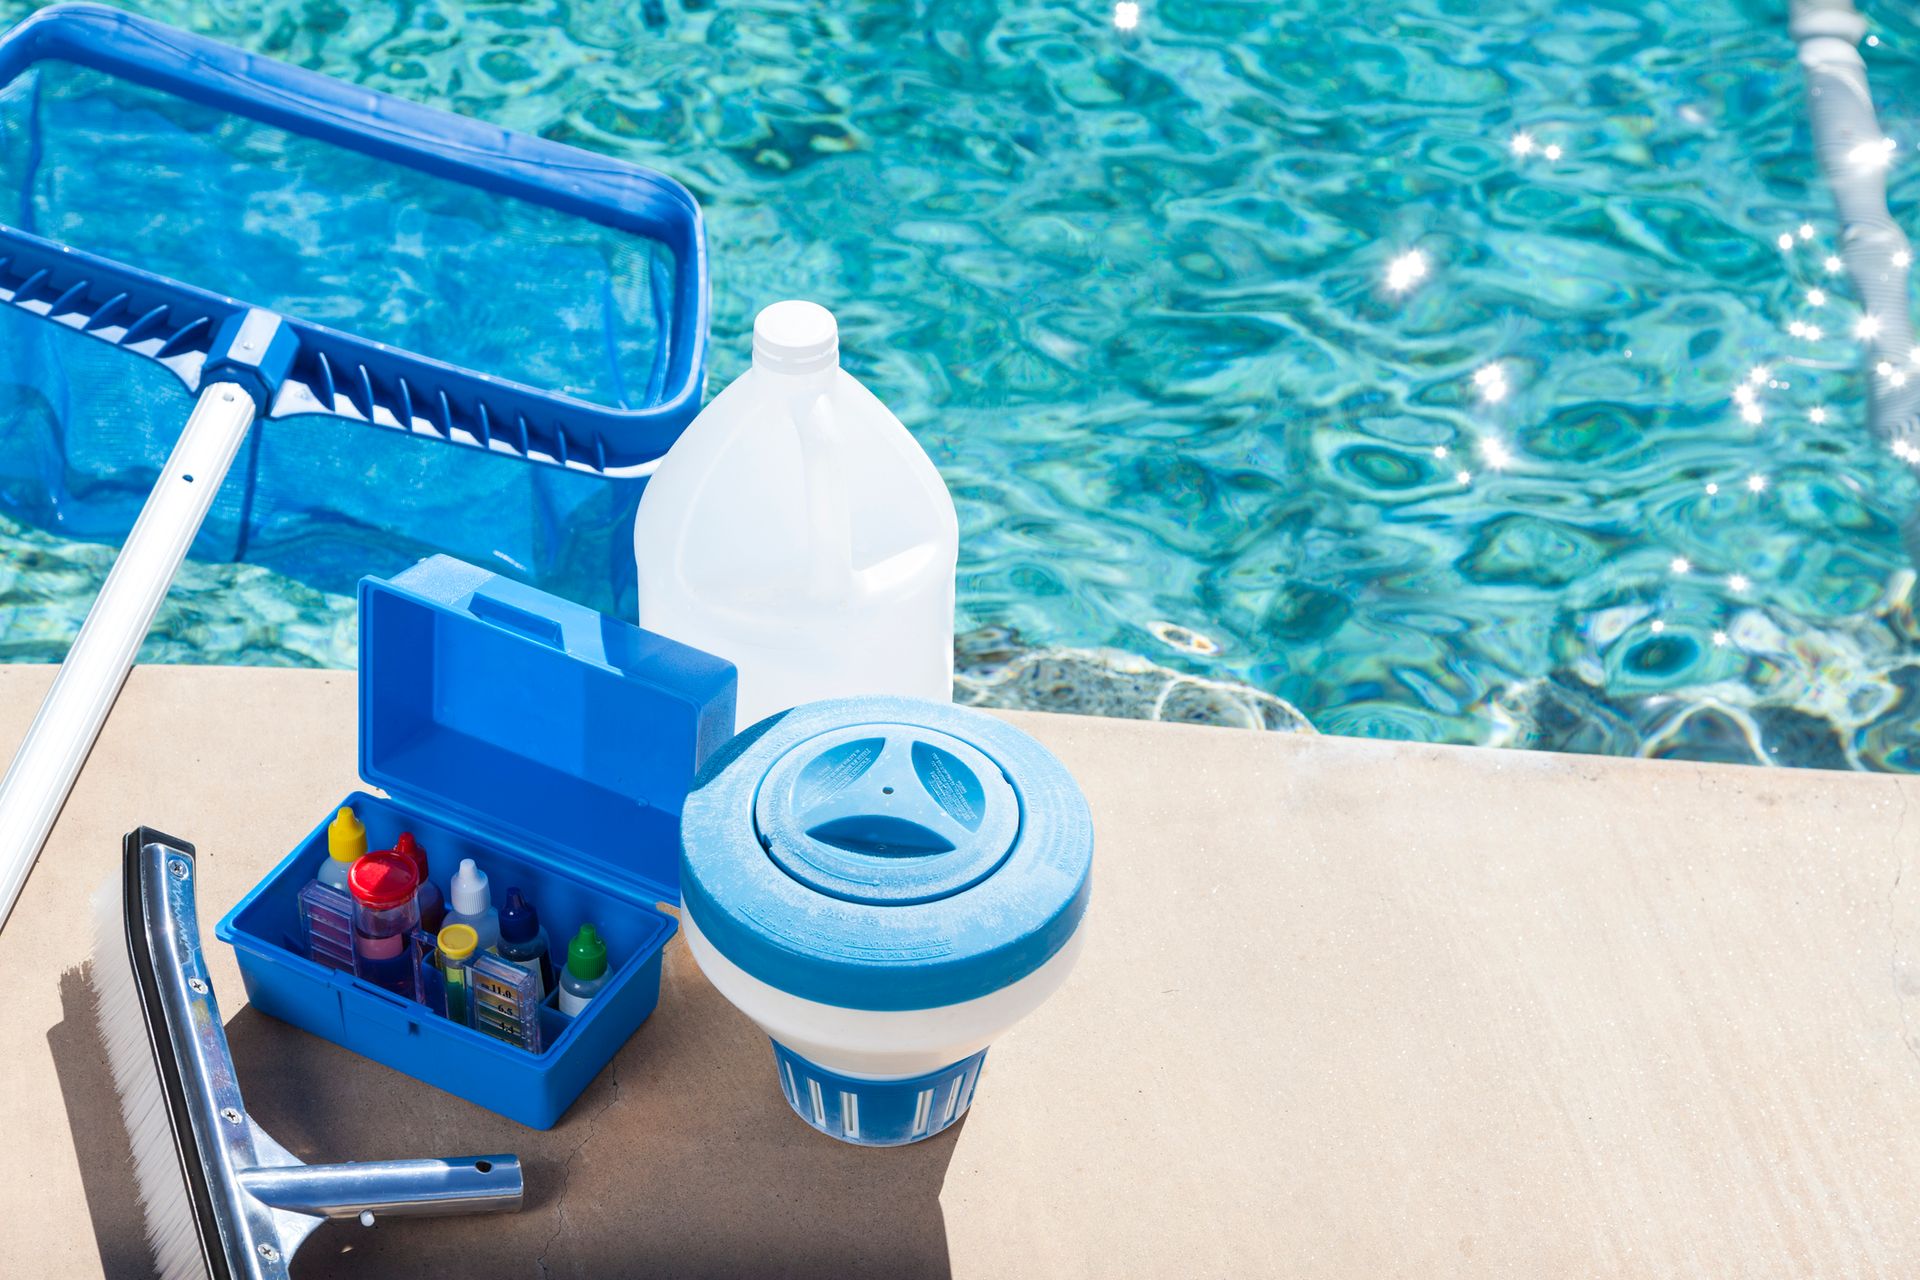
column 88, row 682
column 389, row 1188
column 264, row 1200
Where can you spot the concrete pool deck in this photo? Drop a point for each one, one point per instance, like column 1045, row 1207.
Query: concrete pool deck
column 1348, row 1008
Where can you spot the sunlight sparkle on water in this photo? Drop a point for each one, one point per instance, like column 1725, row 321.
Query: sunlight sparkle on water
column 1407, row 270
column 1868, row 328
column 1521, row 144
column 1126, row 15
column 1681, row 565
column 1738, row 581
column 1492, row 381
column 1756, row 482
column 1817, row 297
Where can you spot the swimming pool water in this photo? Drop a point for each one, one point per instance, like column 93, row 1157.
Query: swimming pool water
column 1249, row 339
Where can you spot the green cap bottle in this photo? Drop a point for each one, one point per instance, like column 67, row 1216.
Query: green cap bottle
column 587, row 954
column 586, row 971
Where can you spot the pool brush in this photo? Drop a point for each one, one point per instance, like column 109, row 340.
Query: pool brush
column 221, row 1198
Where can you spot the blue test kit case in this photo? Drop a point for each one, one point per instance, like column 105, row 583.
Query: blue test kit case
column 551, row 744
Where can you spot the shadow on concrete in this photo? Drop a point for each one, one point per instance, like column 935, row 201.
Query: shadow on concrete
column 99, row 1134
column 680, row 1159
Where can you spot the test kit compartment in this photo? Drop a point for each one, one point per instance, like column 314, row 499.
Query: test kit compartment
column 552, row 745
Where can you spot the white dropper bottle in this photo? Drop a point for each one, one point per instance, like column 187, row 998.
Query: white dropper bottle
column 472, row 904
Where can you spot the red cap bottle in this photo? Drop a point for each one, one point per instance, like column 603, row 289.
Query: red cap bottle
column 384, row 917
column 382, row 881
column 433, row 904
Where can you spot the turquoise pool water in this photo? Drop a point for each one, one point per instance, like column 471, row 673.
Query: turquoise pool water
column 1251, row 341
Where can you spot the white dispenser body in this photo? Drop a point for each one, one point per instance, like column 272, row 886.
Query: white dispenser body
column 876, row 1044
column 798, row 530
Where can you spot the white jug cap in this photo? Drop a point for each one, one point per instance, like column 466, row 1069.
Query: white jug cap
column 470, row 897
column 795, row 337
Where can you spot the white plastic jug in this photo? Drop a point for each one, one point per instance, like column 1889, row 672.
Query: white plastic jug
column 798, row 530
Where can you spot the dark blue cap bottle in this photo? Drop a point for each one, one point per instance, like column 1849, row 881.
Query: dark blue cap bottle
column 519, row 922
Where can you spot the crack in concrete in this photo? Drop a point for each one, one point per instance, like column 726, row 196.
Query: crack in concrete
column 566, row 1169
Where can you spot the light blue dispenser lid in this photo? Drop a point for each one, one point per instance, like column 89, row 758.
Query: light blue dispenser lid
column 886, row 853
column 886, row 814
column 504, row 709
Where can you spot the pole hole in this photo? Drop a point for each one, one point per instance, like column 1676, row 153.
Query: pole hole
column 484, row 1166
column 886, row 791
column 188, row 479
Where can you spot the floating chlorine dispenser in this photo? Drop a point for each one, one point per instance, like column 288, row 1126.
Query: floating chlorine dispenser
column 884, row 885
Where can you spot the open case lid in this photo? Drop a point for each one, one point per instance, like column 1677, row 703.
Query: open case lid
column 516, row 713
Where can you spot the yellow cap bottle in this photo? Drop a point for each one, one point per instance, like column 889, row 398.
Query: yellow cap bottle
column 457, row 941
column 346, row 836
column 346, row 842
column 457, row 944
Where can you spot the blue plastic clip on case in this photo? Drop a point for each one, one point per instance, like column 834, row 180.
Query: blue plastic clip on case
column 551, row 744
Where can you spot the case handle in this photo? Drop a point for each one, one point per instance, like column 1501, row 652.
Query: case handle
column 504, row 613
column 561, row 625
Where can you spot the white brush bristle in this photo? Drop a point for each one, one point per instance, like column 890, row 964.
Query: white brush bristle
column 172, row 1233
